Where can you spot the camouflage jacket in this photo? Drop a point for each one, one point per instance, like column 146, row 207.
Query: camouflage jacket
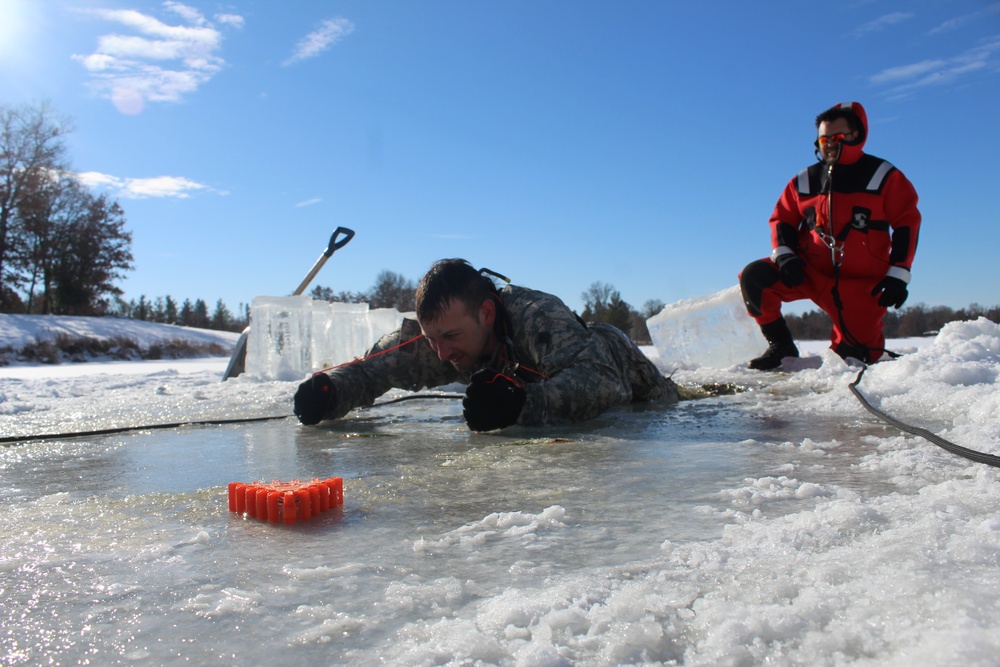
column 572, row 371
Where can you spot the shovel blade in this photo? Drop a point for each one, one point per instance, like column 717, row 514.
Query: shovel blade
column 238, row 362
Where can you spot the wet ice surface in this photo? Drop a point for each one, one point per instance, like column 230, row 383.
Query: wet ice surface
column 781, row 525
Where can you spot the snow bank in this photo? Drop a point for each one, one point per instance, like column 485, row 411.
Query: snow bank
column 17, row 331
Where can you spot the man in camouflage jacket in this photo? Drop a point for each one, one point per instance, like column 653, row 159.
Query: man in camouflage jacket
column 526, row 358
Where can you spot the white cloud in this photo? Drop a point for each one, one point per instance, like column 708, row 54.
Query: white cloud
column 309, row 202
column 119, row 47
column 94, row 179
column 189, row 14
column 880, row 23
column 156, row 61
column 907, row 78
column 908, row 72
column 329, row 33
column 162, row 186
column 959, row 21
column 234, row 20
column 176, row 187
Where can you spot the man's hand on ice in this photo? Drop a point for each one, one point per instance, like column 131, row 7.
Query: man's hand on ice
column 492, row 400
column 314, row 398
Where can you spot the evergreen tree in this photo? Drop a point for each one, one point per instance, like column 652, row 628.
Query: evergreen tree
column 321, row 293
column 170, row 310
column 158, row 313
column 618, row 313
column 187, row 314
column 199, row 317
column 141, row 310
column 96, row 253
column 222, row 319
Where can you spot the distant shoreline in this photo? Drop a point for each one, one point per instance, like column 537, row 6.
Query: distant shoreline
column 53, row 340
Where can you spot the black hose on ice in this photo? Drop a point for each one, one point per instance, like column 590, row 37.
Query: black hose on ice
column 9, row 440
column 126, row 429
column 971, row 454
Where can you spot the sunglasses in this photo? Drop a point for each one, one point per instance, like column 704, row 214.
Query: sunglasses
column 833, row 139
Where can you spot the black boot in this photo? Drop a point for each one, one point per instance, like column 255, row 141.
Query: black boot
column 780, row 346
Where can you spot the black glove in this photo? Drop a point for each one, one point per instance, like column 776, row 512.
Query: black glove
column 893, row 292
column 492, row 400
column 791, row 269
column 313, row 399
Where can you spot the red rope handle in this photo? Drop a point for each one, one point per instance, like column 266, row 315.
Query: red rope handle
column 371, row 356
column 523, row 367
column 513, row 381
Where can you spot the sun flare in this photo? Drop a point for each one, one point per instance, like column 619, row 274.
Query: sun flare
column 13, row 24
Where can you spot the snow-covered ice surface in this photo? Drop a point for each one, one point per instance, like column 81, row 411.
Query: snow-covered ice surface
column 782, row 525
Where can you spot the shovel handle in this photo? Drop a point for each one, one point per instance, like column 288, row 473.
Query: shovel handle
column 338, row 244
column 334, row 244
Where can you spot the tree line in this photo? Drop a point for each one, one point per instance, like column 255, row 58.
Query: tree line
column 195, row 313
column 908, row 322
column 390, row 290
column 602, row 303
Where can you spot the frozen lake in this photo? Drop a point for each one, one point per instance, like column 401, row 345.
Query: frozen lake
column 781, row 525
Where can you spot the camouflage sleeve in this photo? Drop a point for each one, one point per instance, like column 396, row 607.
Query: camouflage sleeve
column 406, row 362
column 583, row 376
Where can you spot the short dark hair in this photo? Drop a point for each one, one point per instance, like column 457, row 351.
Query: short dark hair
column 834, row 113
column 451, row 279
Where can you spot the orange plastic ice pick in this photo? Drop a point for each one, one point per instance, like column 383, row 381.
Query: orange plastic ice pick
column 286, row 502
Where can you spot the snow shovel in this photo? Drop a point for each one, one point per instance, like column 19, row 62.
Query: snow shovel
column 237, row 362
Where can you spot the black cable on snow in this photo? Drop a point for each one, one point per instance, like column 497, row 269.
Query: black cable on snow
column 126, row 429
column 971, row 454
column 8, row 440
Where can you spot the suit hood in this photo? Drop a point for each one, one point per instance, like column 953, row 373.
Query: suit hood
column 852, row 152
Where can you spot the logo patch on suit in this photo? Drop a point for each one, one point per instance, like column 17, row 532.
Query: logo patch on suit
column 860, row 217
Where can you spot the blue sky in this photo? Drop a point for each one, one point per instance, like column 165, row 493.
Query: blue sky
column 637, row 143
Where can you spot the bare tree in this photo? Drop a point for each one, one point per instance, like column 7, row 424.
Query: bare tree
column 31, row 147
column 392, row 290
column 652, row 307
column 60, row 246
column 596, row 300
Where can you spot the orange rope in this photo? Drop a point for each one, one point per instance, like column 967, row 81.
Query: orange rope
column 371, row 356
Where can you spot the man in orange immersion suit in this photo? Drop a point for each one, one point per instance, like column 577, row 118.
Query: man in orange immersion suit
column 852, row 269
